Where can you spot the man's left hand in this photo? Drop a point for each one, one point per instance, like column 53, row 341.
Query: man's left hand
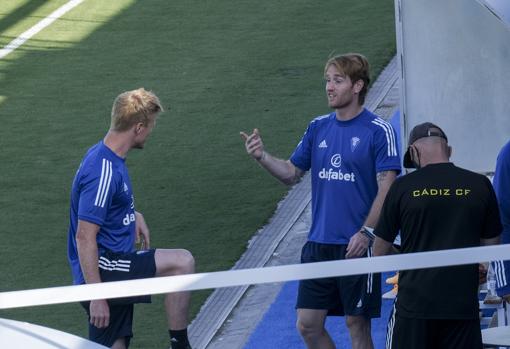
column 358, row 245
column 142, row 231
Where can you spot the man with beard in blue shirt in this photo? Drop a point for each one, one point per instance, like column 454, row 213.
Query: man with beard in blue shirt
column 353, row 159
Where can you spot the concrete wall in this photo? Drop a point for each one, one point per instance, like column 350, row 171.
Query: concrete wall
column 455, row 71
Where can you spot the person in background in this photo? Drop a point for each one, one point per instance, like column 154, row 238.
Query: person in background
column 501, row 183
column 438, row 206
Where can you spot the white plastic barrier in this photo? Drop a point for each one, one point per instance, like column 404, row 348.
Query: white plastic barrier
column 22, row 335
column 66, row 294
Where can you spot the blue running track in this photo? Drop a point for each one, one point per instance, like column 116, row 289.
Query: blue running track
column 277, row 328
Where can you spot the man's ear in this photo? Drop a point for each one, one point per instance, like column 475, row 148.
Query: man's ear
column 358, row 86
column 413, row 152
column 138, row 127
column 450, row 152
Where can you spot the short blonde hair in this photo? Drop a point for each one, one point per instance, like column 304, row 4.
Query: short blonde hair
column 133, row 107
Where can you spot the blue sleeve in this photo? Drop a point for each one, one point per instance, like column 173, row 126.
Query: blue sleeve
column 302, row 156
column 501, row 184
column 502, row 272
column 386, row 149
column 96, row 191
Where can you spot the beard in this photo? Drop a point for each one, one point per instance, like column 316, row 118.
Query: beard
column 340, row 103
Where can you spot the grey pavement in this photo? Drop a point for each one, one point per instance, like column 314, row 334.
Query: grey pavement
column 230, row 315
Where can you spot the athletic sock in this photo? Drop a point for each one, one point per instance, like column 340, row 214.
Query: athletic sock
column 179, row 339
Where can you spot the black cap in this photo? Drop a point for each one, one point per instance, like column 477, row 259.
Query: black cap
column 427, row 129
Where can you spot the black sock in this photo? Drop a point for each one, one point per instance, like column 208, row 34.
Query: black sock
column 179, row 339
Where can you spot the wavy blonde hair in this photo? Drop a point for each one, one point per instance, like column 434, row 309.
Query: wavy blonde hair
column 356, row 67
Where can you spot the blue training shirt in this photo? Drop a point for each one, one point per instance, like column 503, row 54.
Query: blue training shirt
column 344, row 158
column 501, row 183
column 101, row 194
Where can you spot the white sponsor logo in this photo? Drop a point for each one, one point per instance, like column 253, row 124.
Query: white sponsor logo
column 323, row 144
column 130, row 217
column 336, row 160
column 337, row 175
column 360, row 304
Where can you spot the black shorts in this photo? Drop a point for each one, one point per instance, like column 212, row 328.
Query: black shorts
column 347, row 295
column 120, row 267
column 433, row 333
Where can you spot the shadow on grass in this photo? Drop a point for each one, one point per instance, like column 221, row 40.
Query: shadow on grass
column 20, row 13
column 220, row 69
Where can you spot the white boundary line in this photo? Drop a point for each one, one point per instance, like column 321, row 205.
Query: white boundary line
column 20, row 40
column 118, row 289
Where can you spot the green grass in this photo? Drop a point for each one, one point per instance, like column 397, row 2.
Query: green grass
column 18, row 16
column 219, row 67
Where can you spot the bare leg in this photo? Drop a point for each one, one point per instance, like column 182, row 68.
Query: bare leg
column 360, row 330
column 310, row 325
column 119, row 344
column 169, row 263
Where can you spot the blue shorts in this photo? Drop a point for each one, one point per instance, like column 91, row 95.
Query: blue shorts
column 120, row 267
column 347, row 295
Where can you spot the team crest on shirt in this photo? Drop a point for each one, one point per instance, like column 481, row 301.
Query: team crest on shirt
column 354, row 143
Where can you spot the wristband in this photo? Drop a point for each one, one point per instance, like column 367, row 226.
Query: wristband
column 262, row 156
column 368, row 232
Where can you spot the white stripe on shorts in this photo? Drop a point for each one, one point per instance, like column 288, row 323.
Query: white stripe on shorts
column 119, row 265
column 391, row 326
column 370, row 276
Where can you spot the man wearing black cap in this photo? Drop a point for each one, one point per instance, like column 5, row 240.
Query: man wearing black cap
column 438, row 206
